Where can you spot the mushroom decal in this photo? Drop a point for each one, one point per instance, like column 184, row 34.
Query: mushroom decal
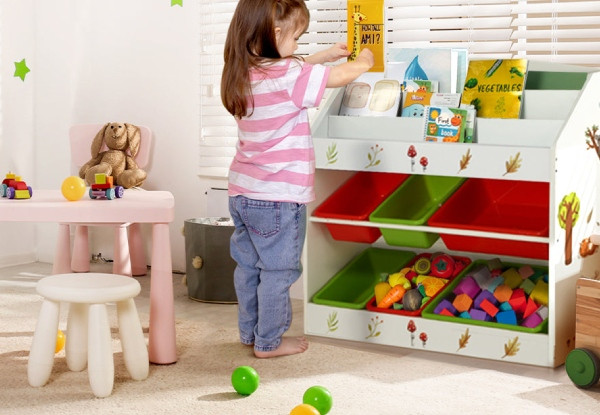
column 412, row 153
column 412, row 327
column 424, row 162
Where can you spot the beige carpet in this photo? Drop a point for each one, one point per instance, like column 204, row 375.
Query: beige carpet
column 361, row 382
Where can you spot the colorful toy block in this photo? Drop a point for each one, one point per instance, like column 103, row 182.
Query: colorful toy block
column 527, row 285
column 543, row 312
column 532, row 321
column 481, row 275
column 464, row 314
column 518, row 300
column 484, row 295
column 446, row 312
column 487, row 306
column 512, row 278
column 468, row 286
column 503, row 293
column 507, row 317
column 480, row 315
column 530, row 308
column 445, row 305
column 462, row 302
column 540, row 293
column 504, row 306
column 494, row 264
column 526, row 271
column 494, row 283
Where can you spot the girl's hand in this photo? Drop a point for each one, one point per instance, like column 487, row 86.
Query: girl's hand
column 337, row 52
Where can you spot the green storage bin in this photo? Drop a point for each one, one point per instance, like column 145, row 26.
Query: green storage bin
column 353, row 286
column 448, row 294
column 412, row 204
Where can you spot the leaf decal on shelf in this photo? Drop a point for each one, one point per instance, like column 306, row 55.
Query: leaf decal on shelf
column 464, row 161
column 512, row 347
column 513, row 164
column 332, row 322
column 373, row 156
column 464, row 340
column 372, row 327
column 332, row 153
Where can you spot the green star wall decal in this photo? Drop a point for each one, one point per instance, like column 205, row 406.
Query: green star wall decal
column 21, row 69
column 176, row 3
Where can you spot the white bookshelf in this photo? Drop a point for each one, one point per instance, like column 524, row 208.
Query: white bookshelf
column 551, row 143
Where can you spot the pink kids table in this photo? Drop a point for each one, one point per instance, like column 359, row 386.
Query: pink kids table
column 153, row 207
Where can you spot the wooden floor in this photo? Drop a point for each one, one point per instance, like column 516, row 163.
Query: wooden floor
column 24, row 277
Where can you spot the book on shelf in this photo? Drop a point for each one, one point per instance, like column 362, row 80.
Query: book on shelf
column 414, row 103
column 444, row 124
column 371, row 94
column 470, row 120
column 495, row 87
column 366, row 29
column 447, row 66
column 424, row 85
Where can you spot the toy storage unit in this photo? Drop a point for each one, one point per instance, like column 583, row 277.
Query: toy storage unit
column 533, row 201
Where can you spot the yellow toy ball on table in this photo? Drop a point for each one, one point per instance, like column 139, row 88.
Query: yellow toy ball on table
column 73, row 188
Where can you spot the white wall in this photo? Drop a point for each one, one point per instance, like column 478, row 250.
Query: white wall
column 91, row 61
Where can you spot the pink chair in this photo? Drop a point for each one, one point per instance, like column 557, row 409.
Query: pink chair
column 129, row 252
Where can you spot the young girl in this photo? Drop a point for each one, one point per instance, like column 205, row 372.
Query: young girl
column 268, row 91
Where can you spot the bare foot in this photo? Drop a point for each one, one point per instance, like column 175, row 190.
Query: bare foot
column 288, row 346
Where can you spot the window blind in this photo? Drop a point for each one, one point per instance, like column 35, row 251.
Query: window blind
column 565, row 31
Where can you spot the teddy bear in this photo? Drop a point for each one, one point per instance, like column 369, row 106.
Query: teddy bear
column 123, row 143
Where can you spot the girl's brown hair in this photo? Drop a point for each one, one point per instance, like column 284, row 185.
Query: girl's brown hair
column 251, row 43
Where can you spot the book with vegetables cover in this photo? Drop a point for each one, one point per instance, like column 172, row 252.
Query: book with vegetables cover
column 495, row 87
column 444, row 124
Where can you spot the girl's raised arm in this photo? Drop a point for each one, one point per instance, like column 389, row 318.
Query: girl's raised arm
column 344, row 73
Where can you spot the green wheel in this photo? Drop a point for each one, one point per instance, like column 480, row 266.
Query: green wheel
column 583, row 368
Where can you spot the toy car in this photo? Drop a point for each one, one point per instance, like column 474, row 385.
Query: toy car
column 14, row 188
column 582, row 363
column 104, row 188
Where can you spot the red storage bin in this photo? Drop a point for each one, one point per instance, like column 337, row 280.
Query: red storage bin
column 355, row 200
column 464, row 263
column 500, row 206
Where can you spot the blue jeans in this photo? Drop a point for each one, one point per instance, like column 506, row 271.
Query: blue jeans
column 267, row 245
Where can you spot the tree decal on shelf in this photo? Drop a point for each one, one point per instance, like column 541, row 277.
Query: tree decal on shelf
column 331, row 154
column 513, row 164
column 568, row 213
column 592, row 139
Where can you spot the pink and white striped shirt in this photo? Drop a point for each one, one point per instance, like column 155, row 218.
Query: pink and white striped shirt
column 275, row 157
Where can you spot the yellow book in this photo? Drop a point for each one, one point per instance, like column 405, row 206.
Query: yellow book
column 366, row 30
column 495, row 87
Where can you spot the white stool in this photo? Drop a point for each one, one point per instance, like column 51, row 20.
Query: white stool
column 88, row 338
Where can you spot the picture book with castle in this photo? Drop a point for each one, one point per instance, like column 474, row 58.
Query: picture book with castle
column 495, row 87
column 366, row 30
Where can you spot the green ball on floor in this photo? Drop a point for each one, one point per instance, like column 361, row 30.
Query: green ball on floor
column 245, row 380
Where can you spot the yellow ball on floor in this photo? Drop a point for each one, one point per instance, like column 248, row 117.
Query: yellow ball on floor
column 73, row 188
column 60, row 341
column 304, row 409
